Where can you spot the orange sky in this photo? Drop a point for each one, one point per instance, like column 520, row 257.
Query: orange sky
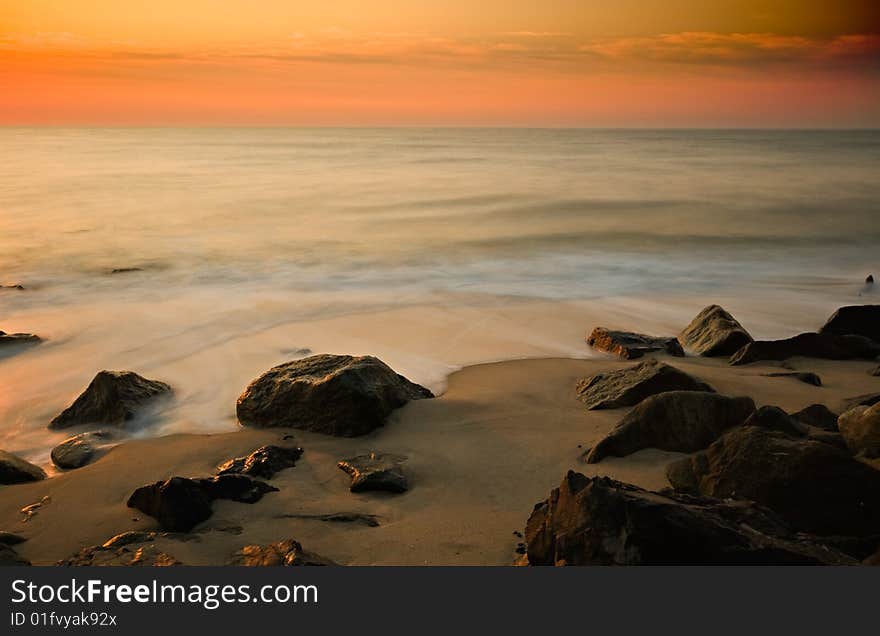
column 449, row 62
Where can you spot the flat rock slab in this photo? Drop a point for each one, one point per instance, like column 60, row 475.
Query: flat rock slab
column 714, row 332
column 683, row 421
column 77, row 451
column 627, row 387
column 336, row 395
column 15, row 470
column 816, row 487
column 803, row 376
column 111, row 399
column 281, row 553
column 860, row 428
column 861, row 320
column 808, row 345
column 375, row 471
column 600, row 521
column 263, row 462
column 180, row 503
column 630, row 346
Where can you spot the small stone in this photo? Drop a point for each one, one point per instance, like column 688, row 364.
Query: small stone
column 804, row 376
column 263, row 462
column 375, row 471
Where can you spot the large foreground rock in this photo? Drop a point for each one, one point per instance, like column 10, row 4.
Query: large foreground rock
column 77, row 451
column 861, row 320
column 816, row 487
column 630, row 346
column 288, row 552
column 7, row 339
column 860, row 428
column 180, row 503
column 337, row 395
column 375, row 471
column 111, row 399
column 684, row 421
column 627, row 387
column 600, row 521
column 808, row 345
column 714, row 332
column 15, row 470
column 263, row 462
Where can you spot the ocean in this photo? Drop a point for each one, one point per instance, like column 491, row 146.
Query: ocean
column 432, row 248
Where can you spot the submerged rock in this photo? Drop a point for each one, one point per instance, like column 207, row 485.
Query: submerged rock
column 804, row 376
column 77, row 451
column 263, row 462
column 629, row 346
column 111, row 399
column 816, row 487
column 15, row 470
column 809, row 345
column 180, row 503
column 684, row 421
column 18, row 339
column 714, row 332
column 375, row 471
column 817, row 415
column 288, row 552
column 860, row 428
column 626, row 387
column 860, row 320
column 600, row 521
column 336, row 395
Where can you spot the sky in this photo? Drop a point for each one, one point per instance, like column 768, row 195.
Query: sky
column 645, row 63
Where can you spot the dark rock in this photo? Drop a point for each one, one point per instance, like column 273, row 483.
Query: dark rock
column 112, row 399
column 132, row 548
column 337, row 395
column 817, row 415
column 684, row 421
column 289, row 552
column 775, row 419
column 371, row 521
column 18, row 339
column 14, row 286
column 627, row 387
column 860, row 320
column 804, row 376
column 126, row 270
column 869, row 279
column 15, row 470
column 808, row 345
column 714, row 332
column 10, row 538
column 78, row 450
column 9, row 557
column 263, row 462
column 869, row 399
column 600, row 521
column 179, row 503
column 375, row 471
column 816, row 487
column 875, row 371
column 629, row 346
column 860, row 428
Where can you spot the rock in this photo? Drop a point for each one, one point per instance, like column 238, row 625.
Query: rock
column 371, row 521
column 15, row 470
column 775, row 419
column 127, row 549
column 179, row 503
column 18, row 339
column 869, row 279
column 875, row 371
column 375, row 471
column 860, row 320
column 112, row 399
column 804, row 376
column 684, row 421
column 860, row 428
column 336, row 395
column 9, row 557
column 10, row 538
column 627, row 387
column 32, row 509
column 14, row 286
column 714, row 332
column 77, row 451
column 126, row 270
column 809, row 345
column 289, row 552
column 629, row 346
column 600, row 521
column 816, row 487
column 817, row 415
column 263, row 462
column 869, row 399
